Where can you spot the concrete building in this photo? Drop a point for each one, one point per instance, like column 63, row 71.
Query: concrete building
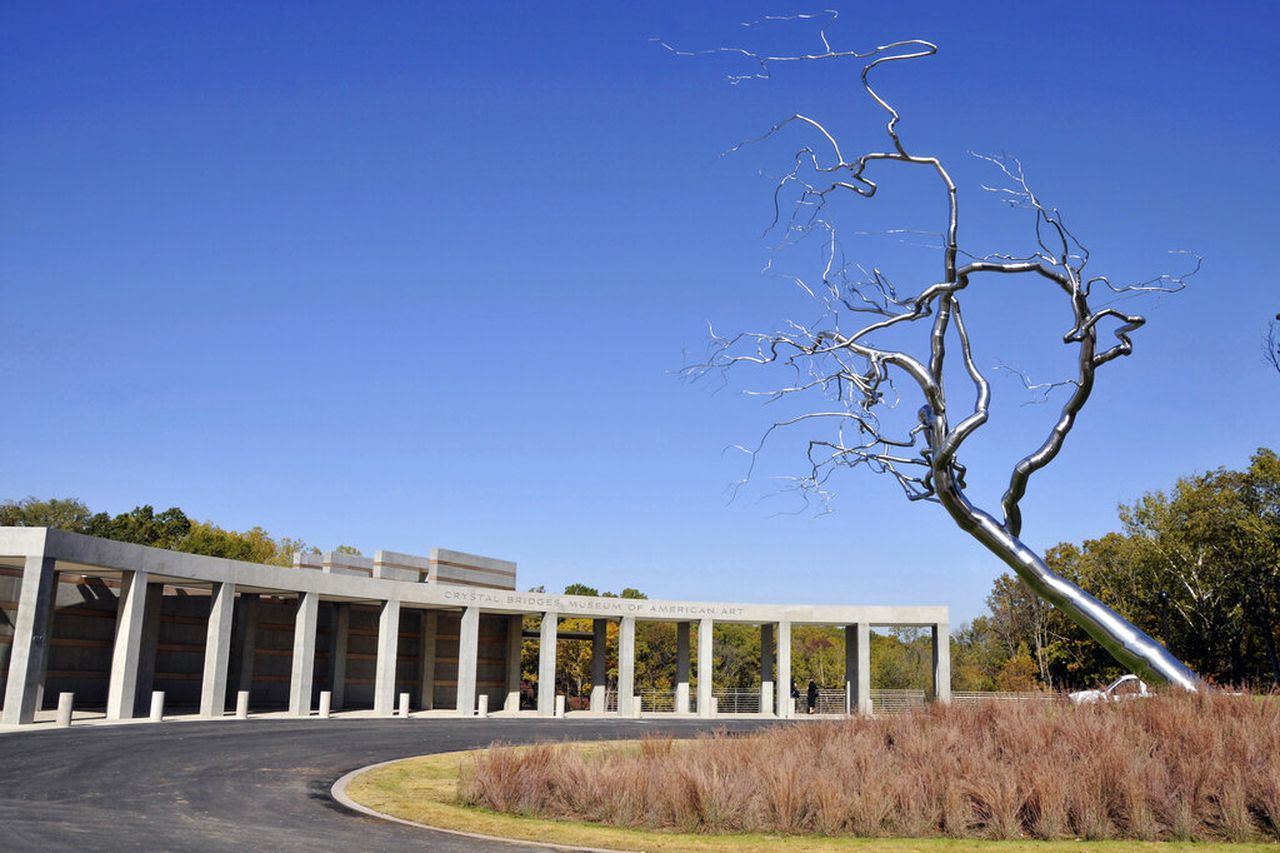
column 112, row 622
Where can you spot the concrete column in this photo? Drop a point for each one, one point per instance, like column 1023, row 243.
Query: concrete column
column 547, row 665
column 217, row 649
column 682, row 668
column 862, row 694
column 147, row 648
column 468, row 657
column 704, row 668
column 766, row 669
column 942, row 662
column 515, row 650
column 339, row 633
column 246, row 641
column 384, row 684
column 30, row 640
column 130, row 614
column 626, row 664
column 599, row 663
column 784, row 669
column 304, row 654
column 427, row 660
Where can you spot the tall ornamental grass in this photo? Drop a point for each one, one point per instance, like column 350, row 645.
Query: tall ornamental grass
column 1202, row 767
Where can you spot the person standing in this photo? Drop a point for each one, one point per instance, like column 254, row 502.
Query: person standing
column 813, row 696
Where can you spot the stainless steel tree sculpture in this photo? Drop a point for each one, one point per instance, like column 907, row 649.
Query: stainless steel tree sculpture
column 1271, row 346
column 839, row 358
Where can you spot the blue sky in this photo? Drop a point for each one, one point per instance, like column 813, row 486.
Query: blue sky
column 415, row 275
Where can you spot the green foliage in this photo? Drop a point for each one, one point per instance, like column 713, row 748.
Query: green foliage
column 62, row 513
column 1197, row 567
column 171, row 529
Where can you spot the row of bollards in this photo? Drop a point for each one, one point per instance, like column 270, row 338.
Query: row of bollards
column 66, row 701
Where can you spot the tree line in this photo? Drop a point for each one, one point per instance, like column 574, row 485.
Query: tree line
column 1197, row 567
column 171, row 528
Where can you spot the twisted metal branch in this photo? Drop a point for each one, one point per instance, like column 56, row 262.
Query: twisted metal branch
column 855, row 376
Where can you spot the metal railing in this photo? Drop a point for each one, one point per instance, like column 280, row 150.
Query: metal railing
column 973, row 696
column 831, row 701
column 896, row 701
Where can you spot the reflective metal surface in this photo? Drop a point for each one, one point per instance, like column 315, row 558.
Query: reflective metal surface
column 839, row 360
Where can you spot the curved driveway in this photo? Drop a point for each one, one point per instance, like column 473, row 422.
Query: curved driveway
column 257, row 784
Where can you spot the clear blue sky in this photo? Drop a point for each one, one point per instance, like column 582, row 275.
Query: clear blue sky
column 403, row 275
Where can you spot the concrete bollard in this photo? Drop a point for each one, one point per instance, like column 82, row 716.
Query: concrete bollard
column 157, row 706
column 242, row 705
column 636, row 705
column 326, row 702
column 404, row 705
column 482, row 705
column 65, row 701
column 715, row 706
column 559, row 706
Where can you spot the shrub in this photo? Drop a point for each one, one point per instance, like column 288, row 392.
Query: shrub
column 1203, row 767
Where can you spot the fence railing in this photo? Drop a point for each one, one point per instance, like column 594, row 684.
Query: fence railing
column 972, row 696
column 896, row 701
column 830, row 700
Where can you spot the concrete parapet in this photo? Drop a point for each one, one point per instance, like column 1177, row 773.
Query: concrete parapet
column 335, row 563
column 460, row 568
column 394, row 566
column 309, row 560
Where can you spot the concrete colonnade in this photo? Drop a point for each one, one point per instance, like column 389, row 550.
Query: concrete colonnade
column 233, row 638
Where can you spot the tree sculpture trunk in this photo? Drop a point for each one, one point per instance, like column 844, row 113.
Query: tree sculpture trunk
column 1127, row 643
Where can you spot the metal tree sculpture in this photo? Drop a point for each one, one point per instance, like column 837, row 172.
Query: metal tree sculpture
column 1271, row 346
column 839, row 360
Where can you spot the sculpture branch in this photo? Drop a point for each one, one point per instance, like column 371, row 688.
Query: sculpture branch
column 858, row 379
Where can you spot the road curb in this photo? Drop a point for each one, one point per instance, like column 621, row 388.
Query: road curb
column 339, row 794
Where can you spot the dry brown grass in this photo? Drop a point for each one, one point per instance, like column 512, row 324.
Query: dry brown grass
column 1173, row 767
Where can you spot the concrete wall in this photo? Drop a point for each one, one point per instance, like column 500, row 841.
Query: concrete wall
column 491, row 670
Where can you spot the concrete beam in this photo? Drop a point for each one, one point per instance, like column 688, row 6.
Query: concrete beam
column 942, row 662
column 217, row 650
column 30, row 649
column 95, row 553
column 682, row 668
column 599, row 663
column 704, row 667
column 302, row 672
column 130, row 614
column 547, row 666
column 626, row 665
column 384, row 684
column 468, row 658
column 427, row 659
column 784, row 670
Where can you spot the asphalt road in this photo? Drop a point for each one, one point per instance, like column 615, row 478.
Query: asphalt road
column 241, row 785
